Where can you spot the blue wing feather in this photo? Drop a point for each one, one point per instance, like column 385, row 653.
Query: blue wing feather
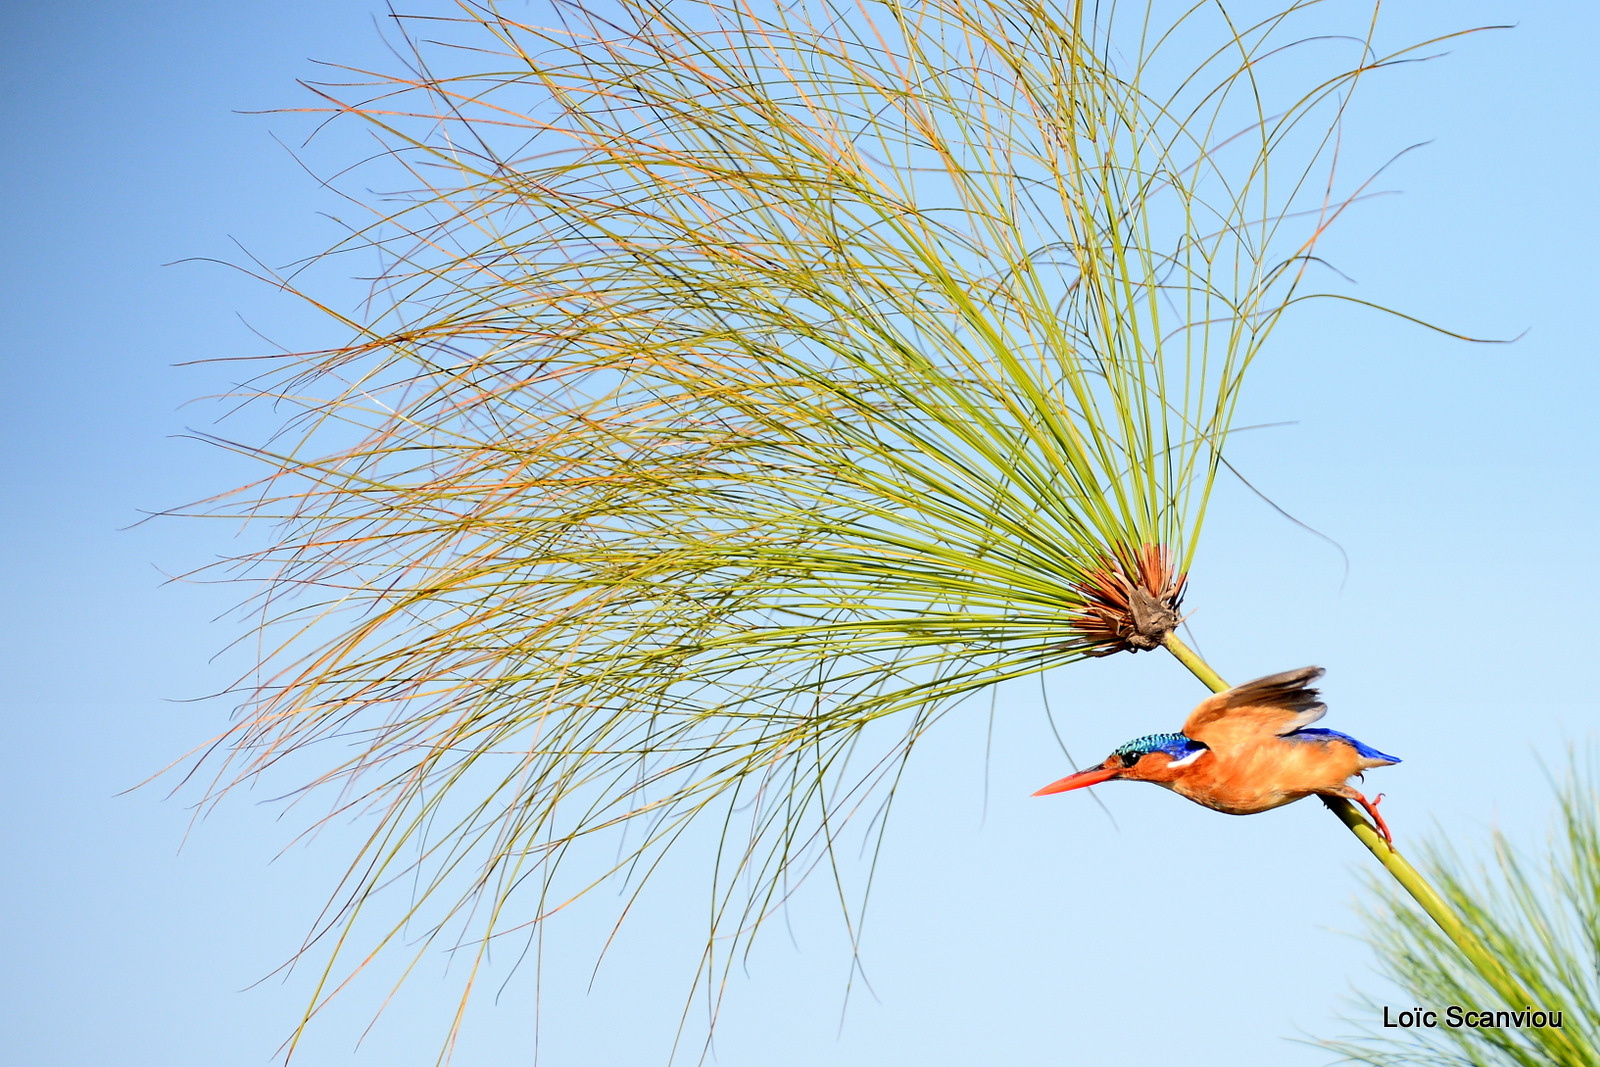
column 1318, row 734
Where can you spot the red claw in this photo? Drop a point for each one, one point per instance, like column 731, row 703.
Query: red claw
column 1371, row 807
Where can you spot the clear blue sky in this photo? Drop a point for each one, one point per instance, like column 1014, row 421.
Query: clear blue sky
column 1461, row 480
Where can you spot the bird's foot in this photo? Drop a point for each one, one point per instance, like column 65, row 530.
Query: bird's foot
column 1371, row 807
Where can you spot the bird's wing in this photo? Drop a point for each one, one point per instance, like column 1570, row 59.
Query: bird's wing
column 1267, row 707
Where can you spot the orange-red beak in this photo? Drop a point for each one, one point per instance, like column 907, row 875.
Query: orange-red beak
column 1093, row 776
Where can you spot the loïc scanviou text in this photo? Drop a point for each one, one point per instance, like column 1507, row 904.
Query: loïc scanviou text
column 1456, row 1017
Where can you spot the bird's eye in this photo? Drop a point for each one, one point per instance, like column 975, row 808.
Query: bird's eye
column 1130, row 758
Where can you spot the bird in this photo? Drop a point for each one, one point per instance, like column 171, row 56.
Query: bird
column 1246, row 750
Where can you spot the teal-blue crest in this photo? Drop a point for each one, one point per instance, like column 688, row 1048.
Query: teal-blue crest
column 1175, row 745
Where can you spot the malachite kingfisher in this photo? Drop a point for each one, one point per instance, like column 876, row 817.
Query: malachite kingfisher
column 1246, row 750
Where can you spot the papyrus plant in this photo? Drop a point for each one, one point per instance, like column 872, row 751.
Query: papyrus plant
column 743, row 387
column 1539, row 915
